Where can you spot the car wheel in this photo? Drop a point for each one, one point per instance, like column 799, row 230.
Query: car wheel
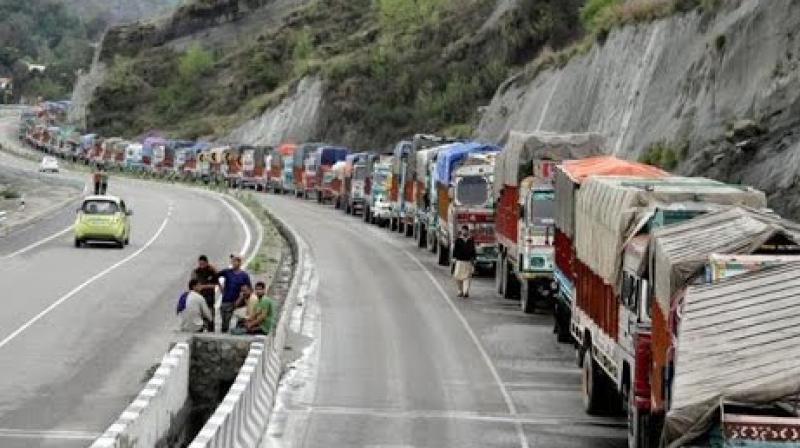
column 78, row 243
column 121, row 244
column 127, row 241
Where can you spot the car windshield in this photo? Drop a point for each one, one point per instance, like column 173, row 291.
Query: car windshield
column 100, row 207
column 48, row 160
column 472, row 190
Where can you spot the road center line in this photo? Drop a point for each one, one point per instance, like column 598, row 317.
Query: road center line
column 512, row 408
column 91, row 280
column 37, row 244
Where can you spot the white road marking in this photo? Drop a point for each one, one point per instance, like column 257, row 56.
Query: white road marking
column 247, row 234
column 47, row 434
column 528, row 419
column 512, row 408
column 37, row 244
column 91, row 280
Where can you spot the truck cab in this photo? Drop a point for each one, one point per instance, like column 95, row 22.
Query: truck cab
column 536, row 237
column 472, row 205
column 379, row 207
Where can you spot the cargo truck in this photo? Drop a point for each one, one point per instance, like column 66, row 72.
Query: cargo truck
column 426, row 215
column 378, row 208
column 524, row 194
column 279, row 180
column 567, row 179
column 611, row 315
column 677, row 256
column 326, row 183
column 253, row 167
column 734, row 373
column 463, row 176
column 397, row 179
column 299, row 165
column 405, row 207
column 354, row 183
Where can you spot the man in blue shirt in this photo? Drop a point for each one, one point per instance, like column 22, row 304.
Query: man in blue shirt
column 234, row 277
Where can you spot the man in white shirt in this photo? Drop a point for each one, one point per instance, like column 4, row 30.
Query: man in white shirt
column 196, row 315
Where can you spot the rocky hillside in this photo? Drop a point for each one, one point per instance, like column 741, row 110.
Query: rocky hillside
column 119, row 11
column 712, row 92
column 360, row 72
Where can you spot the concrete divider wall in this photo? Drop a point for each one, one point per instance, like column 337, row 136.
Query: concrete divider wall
column 148, row 420
column 242, row 417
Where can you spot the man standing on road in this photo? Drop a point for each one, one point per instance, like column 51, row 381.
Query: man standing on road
column 195, row 314
column 103, row 180
column 96, row 180
column 206, row 275
column 464, row 254
column 234, row 278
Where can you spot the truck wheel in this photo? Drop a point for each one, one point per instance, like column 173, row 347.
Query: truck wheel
column 401, row 226
column 561, row 319
column 591, row 383
column 422, row 237
column 443, row 255
column 409, row 231
column 433, row 245
column 511, row 283
column 528, row 297
column 500, row 274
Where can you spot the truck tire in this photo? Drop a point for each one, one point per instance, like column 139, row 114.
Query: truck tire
column 393, row 224
column 500, row 274
column 401, row 226
column 591, row 384
column 422, row 237
column 409, row 231
column 561, row 318
column 510, row 283
column 433, row 245
column 528, row 297
column 444, row 255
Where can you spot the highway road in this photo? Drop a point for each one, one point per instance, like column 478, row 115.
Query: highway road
column 79, row 328
column 399, row 361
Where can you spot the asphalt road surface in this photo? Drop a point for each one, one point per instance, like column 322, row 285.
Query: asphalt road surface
column 79, row 328
column 401, row 362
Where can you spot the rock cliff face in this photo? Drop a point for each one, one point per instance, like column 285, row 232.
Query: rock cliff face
column 295, row 119
column 719, row 91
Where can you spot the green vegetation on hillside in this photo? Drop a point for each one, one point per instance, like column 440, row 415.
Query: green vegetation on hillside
column 601, row 16
column 390, row 68
column 44, row 33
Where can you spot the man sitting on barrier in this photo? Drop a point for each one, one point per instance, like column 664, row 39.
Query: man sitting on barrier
column 264, row 314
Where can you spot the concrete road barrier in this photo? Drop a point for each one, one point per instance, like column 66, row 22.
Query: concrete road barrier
column 149, row 420
column 242, row 417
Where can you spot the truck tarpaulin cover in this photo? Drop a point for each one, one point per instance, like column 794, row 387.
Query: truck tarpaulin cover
column 304, row 151
column 739, row 341
column 328, row 155
column 608, row 210
column 571, row 173
column 447, row 159
column 521, row 149
column 681, row 250
column 426, row 155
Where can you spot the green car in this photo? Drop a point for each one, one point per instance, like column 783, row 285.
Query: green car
column 103, row 218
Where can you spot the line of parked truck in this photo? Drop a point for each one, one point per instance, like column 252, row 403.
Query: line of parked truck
column 681, row 295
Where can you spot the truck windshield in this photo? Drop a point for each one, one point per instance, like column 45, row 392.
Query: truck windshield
column 379, row 178
column 472, row 190
column 542, row 208
column 359, row 172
